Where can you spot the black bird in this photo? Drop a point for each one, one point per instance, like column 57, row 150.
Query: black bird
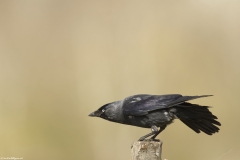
column 153, row 111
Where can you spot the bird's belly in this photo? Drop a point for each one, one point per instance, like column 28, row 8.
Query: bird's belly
column 159, row 119
column 153, row 118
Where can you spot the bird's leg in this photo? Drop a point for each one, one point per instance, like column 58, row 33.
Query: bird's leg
column 154, row 130
column 155, row 135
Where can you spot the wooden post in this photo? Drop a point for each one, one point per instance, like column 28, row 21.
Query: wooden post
column 146, row 150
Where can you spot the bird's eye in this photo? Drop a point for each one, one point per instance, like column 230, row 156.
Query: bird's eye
column 103, row 110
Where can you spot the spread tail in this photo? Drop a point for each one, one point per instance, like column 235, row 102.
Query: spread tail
column 198, row 118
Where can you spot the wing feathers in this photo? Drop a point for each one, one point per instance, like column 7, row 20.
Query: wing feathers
column 142, row 104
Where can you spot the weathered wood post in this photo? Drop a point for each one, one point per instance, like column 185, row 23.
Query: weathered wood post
column 146, row 150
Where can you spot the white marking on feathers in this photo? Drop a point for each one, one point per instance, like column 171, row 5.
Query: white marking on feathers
column 136, row 100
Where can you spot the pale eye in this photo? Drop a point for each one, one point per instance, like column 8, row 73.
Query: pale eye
column 103, row 110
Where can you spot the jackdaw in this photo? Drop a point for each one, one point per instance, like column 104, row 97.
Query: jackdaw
column 153, row 111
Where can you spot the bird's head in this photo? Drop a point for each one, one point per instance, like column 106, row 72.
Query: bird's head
column 111, row 111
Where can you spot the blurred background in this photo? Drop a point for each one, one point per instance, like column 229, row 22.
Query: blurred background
column 61, row 60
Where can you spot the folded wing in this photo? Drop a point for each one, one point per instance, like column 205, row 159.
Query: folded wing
column 139, row 105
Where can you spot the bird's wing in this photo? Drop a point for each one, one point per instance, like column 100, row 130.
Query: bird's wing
column 139, row 105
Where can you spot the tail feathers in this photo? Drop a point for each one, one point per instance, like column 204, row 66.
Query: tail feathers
column 191, row 125
column 203, row 126
column 198, row 118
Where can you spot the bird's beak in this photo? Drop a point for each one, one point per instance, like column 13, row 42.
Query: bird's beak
column 96, row 113
column 92, row 114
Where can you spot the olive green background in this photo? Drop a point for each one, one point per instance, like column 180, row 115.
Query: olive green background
column 61, row 60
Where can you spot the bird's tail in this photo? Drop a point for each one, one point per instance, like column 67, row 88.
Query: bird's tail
column 198, row 118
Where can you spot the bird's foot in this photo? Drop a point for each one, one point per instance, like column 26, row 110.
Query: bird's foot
column 150, row 139
column 142, row 139
column 154, row 130
column 155, row 140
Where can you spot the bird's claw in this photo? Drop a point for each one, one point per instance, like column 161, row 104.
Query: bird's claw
column 141, row 139
column 150, row 139
column 155, row 140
